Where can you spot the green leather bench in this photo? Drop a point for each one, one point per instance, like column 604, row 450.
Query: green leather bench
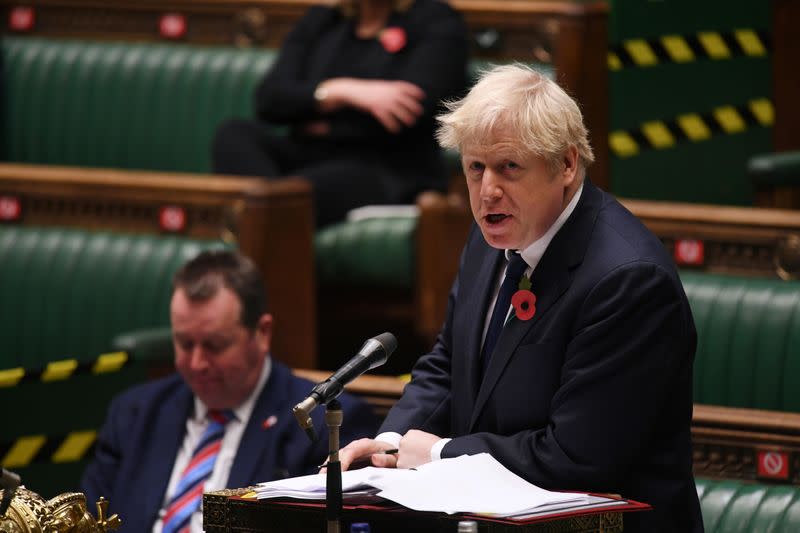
column 748, row 349
column 372, row 252
column 776, row 178
column 122, row 105
column 66, row 294
column 737, row 507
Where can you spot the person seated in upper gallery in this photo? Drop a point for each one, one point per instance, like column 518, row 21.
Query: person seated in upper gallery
column 358, row 84
column 223, row 421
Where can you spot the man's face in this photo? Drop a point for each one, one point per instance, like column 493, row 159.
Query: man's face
column 217, row 356
column 515, row 198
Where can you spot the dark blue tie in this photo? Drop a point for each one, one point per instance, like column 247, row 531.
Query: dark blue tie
column 510, row 285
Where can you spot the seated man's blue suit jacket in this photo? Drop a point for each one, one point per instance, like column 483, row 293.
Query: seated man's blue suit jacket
column 145, row 427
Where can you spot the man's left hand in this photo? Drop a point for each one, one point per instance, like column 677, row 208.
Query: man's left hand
column 415, row 448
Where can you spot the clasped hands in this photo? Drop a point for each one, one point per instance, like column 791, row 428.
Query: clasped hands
column 393, row 103
column 414, row 450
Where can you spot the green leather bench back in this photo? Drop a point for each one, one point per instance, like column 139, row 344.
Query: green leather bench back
column 373, row 252
column 737, row 507
column 748, row 352
column 66, row 293
column 123, row 105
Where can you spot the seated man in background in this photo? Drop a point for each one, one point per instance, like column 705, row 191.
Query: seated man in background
column 224, row 421
column 359, row 85
column 568, row 346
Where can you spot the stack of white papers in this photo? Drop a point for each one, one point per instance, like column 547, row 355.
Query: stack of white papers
column 475, row 484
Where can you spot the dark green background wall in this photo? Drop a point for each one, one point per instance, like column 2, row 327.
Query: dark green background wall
column 710, row 171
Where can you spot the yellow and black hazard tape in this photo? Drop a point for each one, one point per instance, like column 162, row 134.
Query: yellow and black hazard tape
column 692, row 127
column 688, row 48
column 64, row 369
column 23, row 451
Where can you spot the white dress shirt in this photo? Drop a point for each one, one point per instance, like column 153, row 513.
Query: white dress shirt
column 532, row 255
column 195, row 426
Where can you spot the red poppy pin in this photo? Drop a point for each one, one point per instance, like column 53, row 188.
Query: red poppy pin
column 269, row 422
column 524, row 301
column 393, row 39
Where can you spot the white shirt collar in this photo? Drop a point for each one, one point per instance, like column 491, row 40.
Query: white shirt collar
column 244, row 409
column 533, row 253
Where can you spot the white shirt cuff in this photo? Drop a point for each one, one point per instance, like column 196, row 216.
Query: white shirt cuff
column 390, row 437
column 436, row 449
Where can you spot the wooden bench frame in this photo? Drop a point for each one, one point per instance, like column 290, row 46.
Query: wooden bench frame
column 271, row 221
column 727, row 442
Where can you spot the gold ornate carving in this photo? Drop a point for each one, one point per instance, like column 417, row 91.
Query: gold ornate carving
column 66, row 513
column 233, row 492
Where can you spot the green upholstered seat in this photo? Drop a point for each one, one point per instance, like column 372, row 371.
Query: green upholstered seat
column 123, row 105
column 737, row 507
column 66, row 293
column 372, row 252
column 748, row 352
column 775, row 170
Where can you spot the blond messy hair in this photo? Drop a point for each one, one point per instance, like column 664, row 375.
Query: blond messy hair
column 522, row 101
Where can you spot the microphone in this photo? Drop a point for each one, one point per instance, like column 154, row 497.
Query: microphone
column 372, row 354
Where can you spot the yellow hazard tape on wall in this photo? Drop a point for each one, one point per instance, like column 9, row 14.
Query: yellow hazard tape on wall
column 74, row 446
column 691, row 127
column 39, row 448
column 59, row 370
column 11, row 376
column 23, row 451
column 64, row 369
column 687, row 48
column 110, row 362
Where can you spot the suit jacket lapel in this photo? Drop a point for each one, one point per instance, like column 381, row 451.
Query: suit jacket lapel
column 247, row 466
column 171, row 428
column 549, row 280
column 478, row 291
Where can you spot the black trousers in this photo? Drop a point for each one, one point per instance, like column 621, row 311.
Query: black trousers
column 341, row 179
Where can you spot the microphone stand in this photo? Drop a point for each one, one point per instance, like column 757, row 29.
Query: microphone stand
column 374, row 353
column 333, row 481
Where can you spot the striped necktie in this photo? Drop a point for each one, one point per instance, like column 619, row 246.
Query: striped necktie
column 189, row 492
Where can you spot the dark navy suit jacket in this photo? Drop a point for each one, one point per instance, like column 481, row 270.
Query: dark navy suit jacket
column 145, row 427
column 594, row 393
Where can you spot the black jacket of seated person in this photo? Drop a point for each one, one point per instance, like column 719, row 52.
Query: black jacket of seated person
column 358, row 162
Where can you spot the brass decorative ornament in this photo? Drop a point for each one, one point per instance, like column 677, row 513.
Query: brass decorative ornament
column 66, row 513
